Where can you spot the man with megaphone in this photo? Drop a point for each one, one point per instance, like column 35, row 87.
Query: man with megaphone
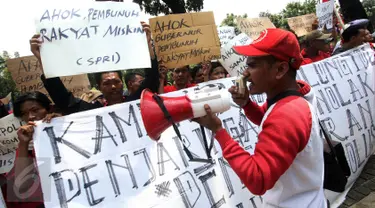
column 287, row 164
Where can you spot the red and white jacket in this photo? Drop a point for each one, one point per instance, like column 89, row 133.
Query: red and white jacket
column 287, row 166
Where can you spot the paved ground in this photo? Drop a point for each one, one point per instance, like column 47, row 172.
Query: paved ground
column 362, row 194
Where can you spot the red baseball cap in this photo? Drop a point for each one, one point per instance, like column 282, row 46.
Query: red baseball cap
column 279, row 43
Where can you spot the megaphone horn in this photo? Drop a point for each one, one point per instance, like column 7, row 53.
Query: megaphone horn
column 158, row 112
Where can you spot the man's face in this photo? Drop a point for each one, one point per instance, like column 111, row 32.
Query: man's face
column 136, row 83
column 321, row 45
column 31, row 110
column 368, row 37
column 111, row 86
column 217, row 73
column 199, row 77
column 181, row 75
column 359, row 39
column 262, row 71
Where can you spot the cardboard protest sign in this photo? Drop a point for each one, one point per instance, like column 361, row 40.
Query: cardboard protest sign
column 8, row 142
column 89, row 36
column 26, row 74
column 344, row 90
column 301, row 25
column 324, row 12
column 226, row 33
column 254, row 26
column 95, row 163
column 235, row 64
column 183, row 39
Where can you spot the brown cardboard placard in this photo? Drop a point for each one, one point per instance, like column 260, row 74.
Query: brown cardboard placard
column 183, row 39
column 26, row 74
column 301, row 25
column 254, row 26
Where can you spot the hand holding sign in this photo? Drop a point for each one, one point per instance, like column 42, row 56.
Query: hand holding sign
column 35, row 44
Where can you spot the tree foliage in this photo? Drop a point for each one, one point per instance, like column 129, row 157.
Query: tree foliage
column 7, row 84
column 276, row 19
column 230, row 20
column 369, row 6
column 292, row 9
column 155, row 7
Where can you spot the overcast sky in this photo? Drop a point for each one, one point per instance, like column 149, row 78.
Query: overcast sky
column 17, row 17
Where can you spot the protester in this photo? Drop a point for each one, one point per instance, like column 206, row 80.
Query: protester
column 217, row 71
column 180, row 78
column 287, row 165
column 133, row 82
column 92, row 96
column 317, row 46
column 109, row 83
column 163, row 78
column 197, row 74
column 353, row 36
column 29, row 107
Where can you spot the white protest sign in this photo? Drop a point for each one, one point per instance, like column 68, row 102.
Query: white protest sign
column 234, row 64
column 104, row 158
column 87, row 37
column 8, row 141
column 130, row 167
column 226, row 33
column 344, row 90
column 2, row 201
column 324, row 12
column 7, row 162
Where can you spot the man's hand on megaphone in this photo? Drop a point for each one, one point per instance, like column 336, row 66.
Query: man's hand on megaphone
column 209, row 121
column 238, row 98
column 241, row 99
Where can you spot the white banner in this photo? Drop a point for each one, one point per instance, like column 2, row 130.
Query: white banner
column 324, row 12
column 344, row 88
column 226, row 33
column 104, row 158
column 235, row 64
column 91, row 37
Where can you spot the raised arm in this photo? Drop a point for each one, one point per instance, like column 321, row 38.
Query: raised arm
column 63, row 99
column 151, row 80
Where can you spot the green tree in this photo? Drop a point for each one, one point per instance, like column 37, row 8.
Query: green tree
column 369, row 6
column 276, row 19
column 155, row 7
column 7, row 84
column 292, row 9
column 230, row 20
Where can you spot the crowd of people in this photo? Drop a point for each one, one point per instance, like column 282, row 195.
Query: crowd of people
column 287, row 165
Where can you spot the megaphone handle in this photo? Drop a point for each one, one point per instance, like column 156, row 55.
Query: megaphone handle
column 160, row 102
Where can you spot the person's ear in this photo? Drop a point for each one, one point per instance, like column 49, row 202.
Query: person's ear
column 129, row 84
column 282, row 70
